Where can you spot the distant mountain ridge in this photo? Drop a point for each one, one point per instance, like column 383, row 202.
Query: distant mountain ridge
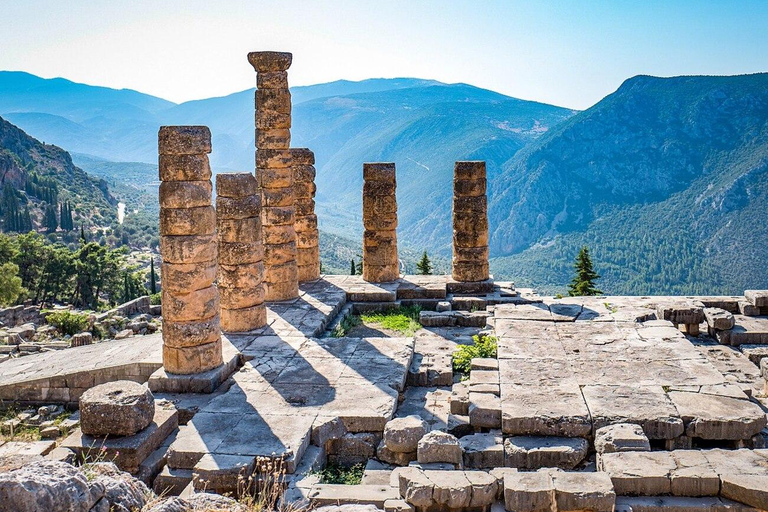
column 667, row 179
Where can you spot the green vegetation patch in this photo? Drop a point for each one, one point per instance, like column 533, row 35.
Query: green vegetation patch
column 68, row 322
column 403, row 320
column 482, row 346
column 346, row 324
column 336, row 474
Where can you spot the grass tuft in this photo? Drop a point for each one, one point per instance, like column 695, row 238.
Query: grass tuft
column 403, row 320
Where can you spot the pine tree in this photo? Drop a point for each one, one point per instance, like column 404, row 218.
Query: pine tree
column 152, row 277
column 424, row 266
column 352, row 267
column 584, row 281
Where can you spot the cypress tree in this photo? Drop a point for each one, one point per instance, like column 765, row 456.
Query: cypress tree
column 424, row 266
column 49, row 221
column 583, row 282
column 82, row 234
column 152, row 277
column 351, row 267
column 126, row 288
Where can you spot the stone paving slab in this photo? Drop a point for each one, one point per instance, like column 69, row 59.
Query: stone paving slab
column 749, row 330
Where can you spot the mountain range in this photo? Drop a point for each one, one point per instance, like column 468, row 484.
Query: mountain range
column 665, row 179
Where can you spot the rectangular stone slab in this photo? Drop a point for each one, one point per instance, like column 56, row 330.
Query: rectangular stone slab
column 718, row 417
column 647, row 406
column 557, row 410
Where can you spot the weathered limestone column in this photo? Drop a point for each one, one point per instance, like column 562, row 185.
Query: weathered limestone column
column 307, row 237
column 275, row 174
column 191, row 334
column 470, row 222
column 380, row 263
column 241, row 253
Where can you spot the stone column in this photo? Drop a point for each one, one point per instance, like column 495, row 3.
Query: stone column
column 380, row 263
column 307, row 238
column 191, row 335
column 241, row 253
column 275, row 174
column 470, row 222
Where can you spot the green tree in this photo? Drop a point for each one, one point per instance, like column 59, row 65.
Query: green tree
column 49, row 221
column 584, row 281
column 352, row 267
column 10, row 284
column 424, row 266
column 152, row 277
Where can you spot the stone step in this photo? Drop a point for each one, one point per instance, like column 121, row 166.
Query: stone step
column 171, row 482
column 337, row 494
column 535, row 452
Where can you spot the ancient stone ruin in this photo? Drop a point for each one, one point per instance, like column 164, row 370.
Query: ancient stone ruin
column 241, row 253
column 274, row 171
column 191, row 332
column 380, row 262
column 641, row 404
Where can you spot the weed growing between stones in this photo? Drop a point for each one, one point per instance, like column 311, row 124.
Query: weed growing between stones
column 336, row 474
column 482, row 346
column 347, row 324
column 263, row 490
column 403, row 320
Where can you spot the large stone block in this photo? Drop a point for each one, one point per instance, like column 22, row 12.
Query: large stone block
column 248, row 275
column 718, row 417
column 403, row 434
column 120, row 408
column 758, row 298
column 279, row 254
column 268, row 120
column 473, row 254
column 190, row 334
column 194, row 359
column 196, row 305
column 303, row 172
column 309, row 272
column 239, row 230
column 278, row 216
column 273, row 158
column 185, row 194
column 621, row 437
column 279, row 197
column 577, row 491
column 236, row 184
column 184, row 140
column 533, row 452
column 470, row 205
column 304, row 207
column 184, row 168
column 529, row 492
column 238, row 298
column 273, row 138
column 469, row 188
column 639, row 473
column 284, row 290
column 749, row 489
column 243, row 319
column 285, row 272
column 273, row 100
column 188, row 221
column 187, row 277
column 483, row 450
column 469, row 170
column 380, row 273
column 470, row 271
column 379, row 171
column 272, row 80
column 238, row 207
column 270, row 178
column 270, row 61
column 437, row 446
column 188, row 249
column 306, row 240
column 237, row 253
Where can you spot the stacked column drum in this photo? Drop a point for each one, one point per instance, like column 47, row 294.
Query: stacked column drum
column 380, row 262
column 191, row 332
column 470, row 222
column 274, row 173
column 307, row 238
column 241, row 253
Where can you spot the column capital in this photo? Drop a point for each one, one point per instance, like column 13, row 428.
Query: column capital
column 270, row 61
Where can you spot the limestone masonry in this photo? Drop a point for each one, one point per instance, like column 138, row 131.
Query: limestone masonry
column 241, row 253
column 191, row 331
column 274, row 171
column 380, row 262
column 600, row 404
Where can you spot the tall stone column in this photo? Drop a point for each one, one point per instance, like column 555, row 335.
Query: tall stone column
column 275, row 174
column 470, row 222
column 241, row 253
column 307, row 237
column 380, row 263
column 191, row 334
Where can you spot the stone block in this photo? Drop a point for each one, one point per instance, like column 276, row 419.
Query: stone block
column 185, row 194
column 469, row 170
column 529, row 492
column 439, row 446
column 244, row 319
column 190, row 334
column 379, row 171
column 171, row 481
column 270, row 62
column 195, row 359
column 238, row 253
column 184, row 168
column 277, row 216
column 238, row 298
column 719, row 319
column 534, row 452
column 384, row 454
column 248, row 230
column 484, row 410
column 718, row 417
column 639, row 473
column 249, row 275
column 469, row 188
column 184, row 140
column 238, row 207
column 621, row 437
column 273, row 100
column 188, row 249
column 757, row 298
column 200, row 304
column 187, row 277
column 279, row 197
column 544, row 410
column 121, row 408
column 483, row 450
column 272, row 80
column 403, row 434
column 222, row 473
column 583, row 491
column 460, row 398
column 188, row 221
column 333, row 494
column 749, row 489
column 693, row 474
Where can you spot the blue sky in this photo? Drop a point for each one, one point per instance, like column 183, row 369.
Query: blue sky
column 567, row 53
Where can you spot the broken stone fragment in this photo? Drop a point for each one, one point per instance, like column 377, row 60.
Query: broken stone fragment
column 439, row 446
column 622, row 437
column 719, row 319
column 120, row 408
column 403, row 434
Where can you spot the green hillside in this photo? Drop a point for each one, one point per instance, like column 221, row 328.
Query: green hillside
column 666, row 181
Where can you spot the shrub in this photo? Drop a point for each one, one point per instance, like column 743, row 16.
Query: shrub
column 68, row 322
column 154, row 298
column 336, row 474
column 482, row 346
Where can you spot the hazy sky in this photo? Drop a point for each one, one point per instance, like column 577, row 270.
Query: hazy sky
column 567, row 53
